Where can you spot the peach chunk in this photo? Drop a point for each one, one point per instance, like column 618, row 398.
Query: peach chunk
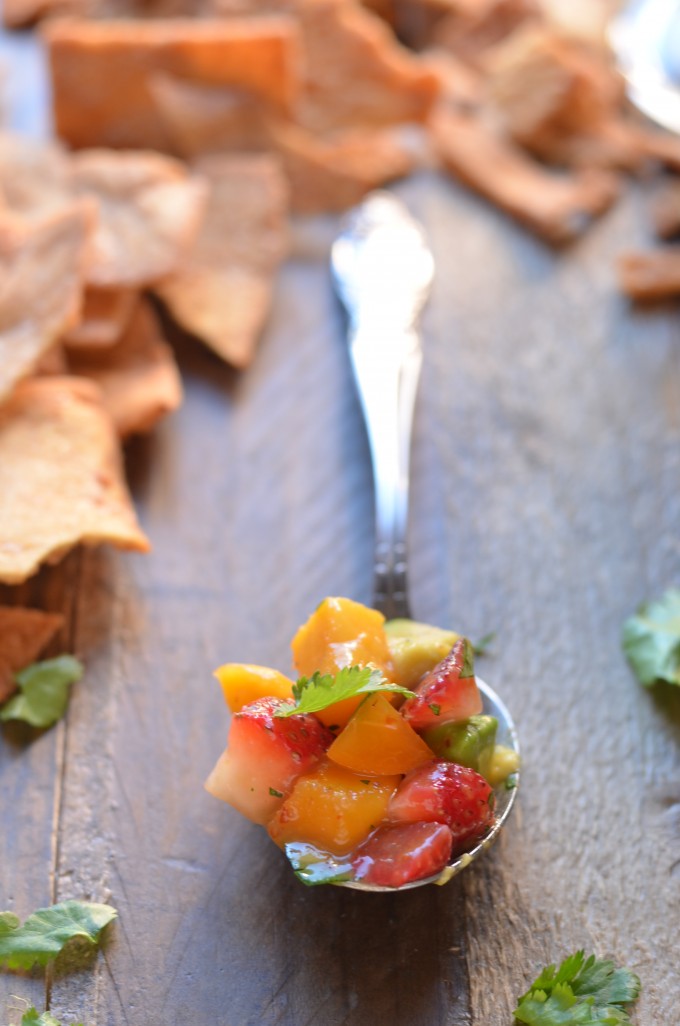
column 341, row 633
column 333, row 809
column 243, row 683
column 378, row 740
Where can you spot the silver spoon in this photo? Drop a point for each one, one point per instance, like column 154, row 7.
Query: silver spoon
column 383, row 271
column 645, row 38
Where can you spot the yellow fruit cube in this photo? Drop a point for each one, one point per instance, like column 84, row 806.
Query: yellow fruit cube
column 333, row 809
column 341, row 633
column 377, row 740
column 243, row 683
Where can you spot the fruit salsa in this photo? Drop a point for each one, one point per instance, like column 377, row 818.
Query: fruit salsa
column 378, row 765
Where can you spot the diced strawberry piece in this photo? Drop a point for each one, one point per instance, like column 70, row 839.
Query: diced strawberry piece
column 443, row 792
column 448, row 692
column 399, row 854
column 265, row 756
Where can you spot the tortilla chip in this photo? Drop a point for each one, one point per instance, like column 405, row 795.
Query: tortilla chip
column 202, row 119
column 651, row 275
column 558, row 208
column 138, row 376
column 24, row 13
column 223, row 293
column 335, row 173
column 473, row 27
column 40, row 288
column 561, row 99
column 149, row 212
column 53, row 362
column 355, row 73
column 61, row 476
column 24, row 633
column 259, row 55
column 662, row 147
column 666, row 209
column 34, row 177
column 104, row 317
column 461, row 86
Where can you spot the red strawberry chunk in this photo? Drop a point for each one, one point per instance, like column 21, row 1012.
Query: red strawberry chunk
column 444, row 792
column 266, row 754
column 399, row 854
column 448, row 692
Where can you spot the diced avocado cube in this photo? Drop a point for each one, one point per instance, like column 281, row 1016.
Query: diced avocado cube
column 416, row 648
column 468, row 742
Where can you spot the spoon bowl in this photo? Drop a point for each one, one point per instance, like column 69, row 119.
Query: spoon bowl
column 505, row 799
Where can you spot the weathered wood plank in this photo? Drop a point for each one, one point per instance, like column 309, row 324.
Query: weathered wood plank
column 31, row 767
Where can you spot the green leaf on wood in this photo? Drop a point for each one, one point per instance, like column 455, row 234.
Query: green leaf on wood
column 43, row 691
column 45, row 933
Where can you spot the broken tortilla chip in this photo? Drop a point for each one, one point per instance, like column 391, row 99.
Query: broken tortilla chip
column 666, row 209
column 24, row 13
column 335, row 173
column 148, row 214
column 223, row 292
column 138, row 376
column 34, row 177
column 556, row 207
column 355, row 73
column 650, row 275
column 561, row 99
column 40, row 288
column 61, row 476
column 101, row 71
column 202, row 119
column 471, row 28
column 24, row 633
column 104, row 317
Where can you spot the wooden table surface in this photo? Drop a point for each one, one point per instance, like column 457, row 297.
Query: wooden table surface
column 546, row 506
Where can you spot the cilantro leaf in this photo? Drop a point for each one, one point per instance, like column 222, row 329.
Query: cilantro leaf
column 651, row 640
column 32, row 1017
column 45, row 933
column 323, row 689
column 481, row 647
column 579, row 993
column 313, row 867
column 43, row 691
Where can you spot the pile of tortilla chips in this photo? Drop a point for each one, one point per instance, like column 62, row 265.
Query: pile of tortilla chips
column 193, row 129
column 84, row 238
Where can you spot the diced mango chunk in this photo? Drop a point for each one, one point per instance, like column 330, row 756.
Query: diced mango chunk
column 341, row 633
column 243, row 683
column 377, row 740
column 333, row 809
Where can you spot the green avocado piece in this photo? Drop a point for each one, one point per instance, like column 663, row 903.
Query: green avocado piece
column 416, row 648
column 468, row 742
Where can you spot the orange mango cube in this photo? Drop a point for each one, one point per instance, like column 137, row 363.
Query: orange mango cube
column 377, row 740
column 333, row 809
column 341, row 633
column 243, row 683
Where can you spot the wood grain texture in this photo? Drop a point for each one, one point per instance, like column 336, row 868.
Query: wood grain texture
column 546, row 505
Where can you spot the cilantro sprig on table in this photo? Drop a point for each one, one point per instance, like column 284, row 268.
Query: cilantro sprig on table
column 46, row 932
column 651, row 640
column 43, row 691
column 32, row 1017
column 581, row 992
column 312, row 694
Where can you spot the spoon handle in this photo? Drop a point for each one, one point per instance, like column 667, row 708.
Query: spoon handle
column 386, row 359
